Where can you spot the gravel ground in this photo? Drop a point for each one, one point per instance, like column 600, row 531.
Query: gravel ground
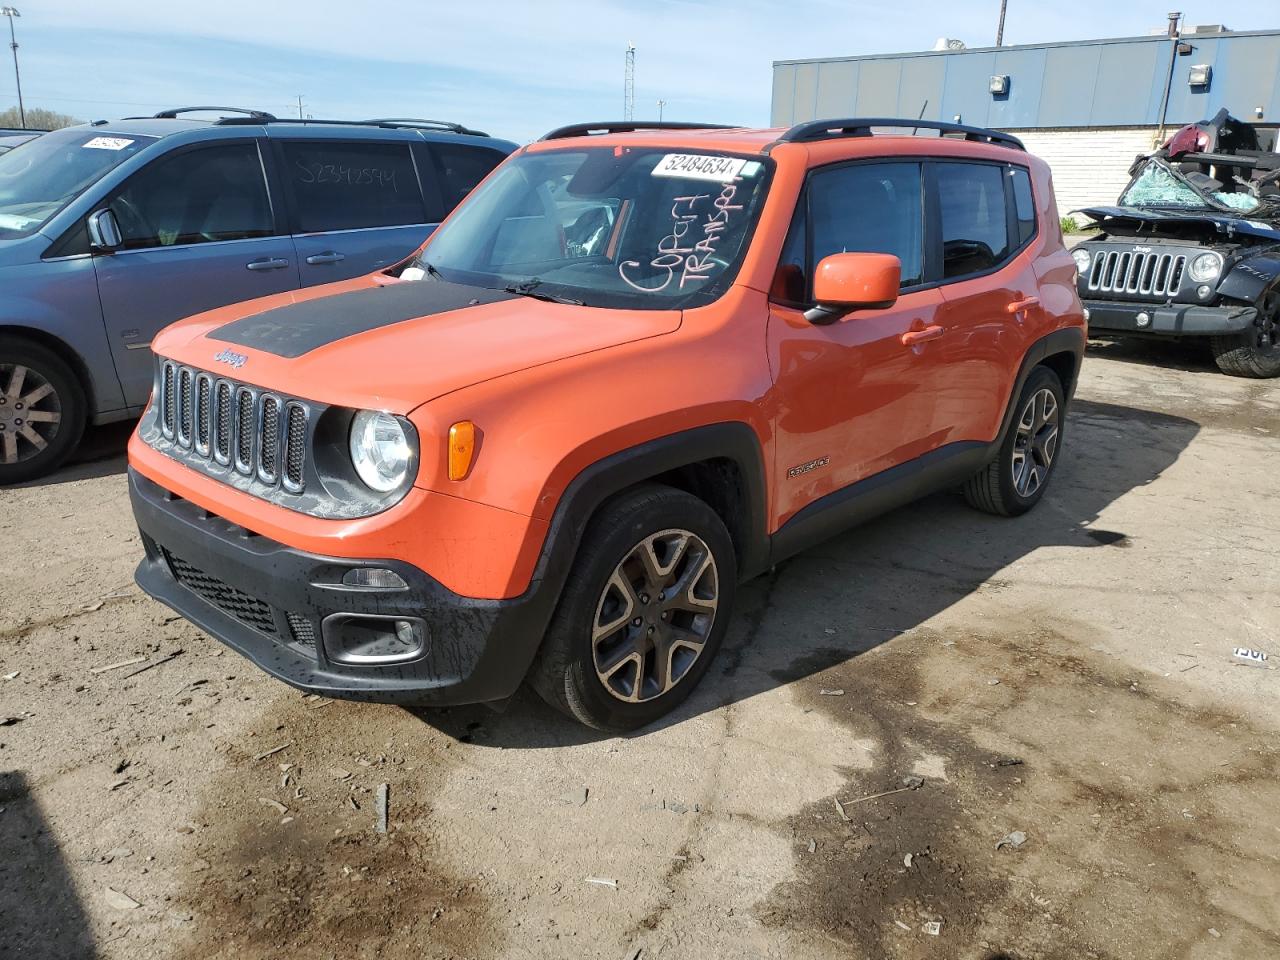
column 1067, row 676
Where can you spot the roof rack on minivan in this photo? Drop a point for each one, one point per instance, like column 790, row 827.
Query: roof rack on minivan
column 244, row 116
column 256, row 116
column 428, row 124
column 627, row 126
column 862, row 127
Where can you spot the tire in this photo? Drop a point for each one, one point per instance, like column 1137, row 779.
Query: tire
column 1254, row 353
column 1015, row 480
column 626, row 688
column 39, row 397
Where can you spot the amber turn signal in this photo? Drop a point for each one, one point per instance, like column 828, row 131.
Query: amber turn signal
column 462, row 448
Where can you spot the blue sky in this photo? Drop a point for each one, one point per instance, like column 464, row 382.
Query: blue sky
column 513, row 68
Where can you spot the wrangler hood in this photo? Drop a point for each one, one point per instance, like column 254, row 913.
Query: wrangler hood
column 1224, row 223
column 394, row 345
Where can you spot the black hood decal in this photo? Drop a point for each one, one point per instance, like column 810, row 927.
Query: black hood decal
column 302, row 327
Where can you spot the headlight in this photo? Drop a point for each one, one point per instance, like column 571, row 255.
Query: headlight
column 1207, row 266
column 380, row 450
column 1082, row 259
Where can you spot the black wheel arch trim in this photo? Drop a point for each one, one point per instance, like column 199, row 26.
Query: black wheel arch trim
column 1248, row 279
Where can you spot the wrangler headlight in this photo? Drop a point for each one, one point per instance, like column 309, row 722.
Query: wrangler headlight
column 380, row 450
column 1205, row 267
column 1082, row 259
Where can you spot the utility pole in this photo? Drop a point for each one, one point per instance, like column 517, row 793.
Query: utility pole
column 1174, row 40
column 12, row 12
column 1000, row 28
column 661, row 104
column 629, row 85
column 299, row 106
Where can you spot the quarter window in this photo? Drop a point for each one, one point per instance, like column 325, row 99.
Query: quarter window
column 199, row 196
column 975, row 226
column 352, row 186
column 1024, row 204
column 869, row 208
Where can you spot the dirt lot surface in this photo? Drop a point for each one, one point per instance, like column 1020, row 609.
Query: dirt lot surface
column 1068, row 676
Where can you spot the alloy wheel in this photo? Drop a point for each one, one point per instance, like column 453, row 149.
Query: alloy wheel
column 30, row 413
column 1036, row 442
column 655, row 614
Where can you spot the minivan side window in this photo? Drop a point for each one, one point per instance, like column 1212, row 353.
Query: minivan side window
column 462, row 166
column 196, row 196
column 352, row 186
column 1024, row 204
column 975, row 225
column 869, row 208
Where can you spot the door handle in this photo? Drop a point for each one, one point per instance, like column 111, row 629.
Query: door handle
column 329, row 256
column 268, row 263
column 912, row 337
column 1019, row 305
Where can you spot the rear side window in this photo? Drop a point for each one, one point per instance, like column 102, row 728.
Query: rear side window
column 1024, row 204
column 869, row 208
column 352, row 186
column 461, row 167
column 197, row 196
column 975, row 224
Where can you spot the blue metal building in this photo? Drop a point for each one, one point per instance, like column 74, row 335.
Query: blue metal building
column 1087, row 106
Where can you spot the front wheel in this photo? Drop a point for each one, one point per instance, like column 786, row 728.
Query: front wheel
column 42, row 410
column 1015, row 480
column 643, row 613
column 1255, row 352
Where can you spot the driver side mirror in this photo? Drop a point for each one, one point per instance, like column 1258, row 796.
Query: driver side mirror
column 845, row 282
column 104, row 232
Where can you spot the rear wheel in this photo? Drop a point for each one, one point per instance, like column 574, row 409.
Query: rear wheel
column 1255, row 352
column 643, row 613
column 42, row 410
column 1013, row 482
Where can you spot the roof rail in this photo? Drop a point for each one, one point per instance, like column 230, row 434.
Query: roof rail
column 861, row 127
column 427, row 124
column 627, row 126
column 173, row 114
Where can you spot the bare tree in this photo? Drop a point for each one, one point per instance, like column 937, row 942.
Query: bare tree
column 38, row 119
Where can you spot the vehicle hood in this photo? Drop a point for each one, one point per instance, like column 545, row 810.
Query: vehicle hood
column 1223, row 223
column 387, row 344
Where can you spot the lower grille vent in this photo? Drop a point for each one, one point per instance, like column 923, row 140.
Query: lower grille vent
column 235, row 603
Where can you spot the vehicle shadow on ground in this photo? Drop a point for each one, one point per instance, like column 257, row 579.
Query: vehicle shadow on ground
column 1191, row 355
column 43, row 917
column 869, row 585
column 101, row 454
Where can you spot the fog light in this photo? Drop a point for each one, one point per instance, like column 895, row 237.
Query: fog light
column 374, row 578
column 373, row 640
column 1203, row 291
column 1144, row 319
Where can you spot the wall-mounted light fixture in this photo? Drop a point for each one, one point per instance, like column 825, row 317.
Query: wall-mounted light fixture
column 1199, row 75
column 999, row 84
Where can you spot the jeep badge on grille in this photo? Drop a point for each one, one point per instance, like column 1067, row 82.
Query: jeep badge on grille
column 236, row 360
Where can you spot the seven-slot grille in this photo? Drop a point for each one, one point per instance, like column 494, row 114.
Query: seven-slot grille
column 259, row 434
column 1156, row 275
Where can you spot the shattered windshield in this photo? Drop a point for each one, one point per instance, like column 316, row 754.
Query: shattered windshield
column 1160, row 185
column 52, row 170
column 632, row 227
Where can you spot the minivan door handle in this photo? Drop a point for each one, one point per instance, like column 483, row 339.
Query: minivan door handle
column 912, row 337
column 268, row 263
column 329, row 256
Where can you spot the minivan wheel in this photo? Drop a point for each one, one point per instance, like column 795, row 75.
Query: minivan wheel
column 1256, row 352
column 42, row 410
column 643, row 612
column 1015, row 480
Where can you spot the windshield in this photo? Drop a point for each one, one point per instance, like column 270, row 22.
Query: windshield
column 1159, row 185
column 51, row 171
column 639, row 228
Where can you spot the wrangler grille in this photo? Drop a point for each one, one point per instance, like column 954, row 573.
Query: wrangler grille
column 1155, row 275
column 262, row 435
column 235, row 603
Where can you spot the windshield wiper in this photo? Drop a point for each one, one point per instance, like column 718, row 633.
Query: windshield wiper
column 431, row 269
column 529, row 288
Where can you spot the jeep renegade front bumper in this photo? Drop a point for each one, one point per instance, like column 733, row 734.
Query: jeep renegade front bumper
column 291, row 613
column 1176, row 320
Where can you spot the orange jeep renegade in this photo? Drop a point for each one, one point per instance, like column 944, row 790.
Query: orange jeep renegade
column 640, row 364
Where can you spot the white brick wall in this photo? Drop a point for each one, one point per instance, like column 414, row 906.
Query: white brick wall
column 1090, row 167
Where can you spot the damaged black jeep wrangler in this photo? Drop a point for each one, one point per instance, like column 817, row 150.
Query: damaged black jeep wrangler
column 1193, row 249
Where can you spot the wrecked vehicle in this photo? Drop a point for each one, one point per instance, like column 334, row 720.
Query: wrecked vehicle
column 1193, row 249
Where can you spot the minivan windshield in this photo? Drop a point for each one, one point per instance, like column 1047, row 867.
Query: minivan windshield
column 631, row 227
column 49, row 172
